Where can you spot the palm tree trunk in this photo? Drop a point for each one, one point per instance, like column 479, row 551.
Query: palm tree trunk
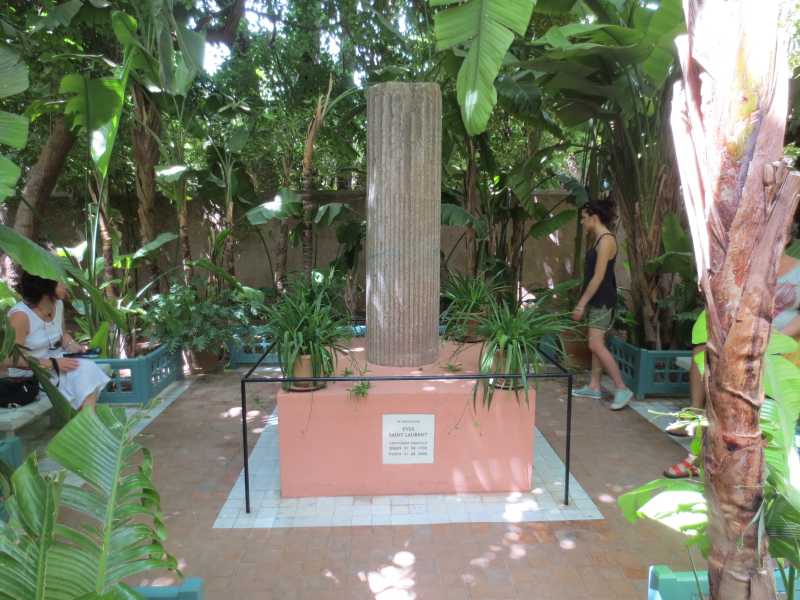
column 728, row 119
column 146, row 154
column 183, row 232
column 43, row 176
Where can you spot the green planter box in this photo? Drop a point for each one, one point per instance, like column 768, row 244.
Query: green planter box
column 11, row 455
column 139, row 380
column 666, row 584
column 650, row 372
column 190, row 589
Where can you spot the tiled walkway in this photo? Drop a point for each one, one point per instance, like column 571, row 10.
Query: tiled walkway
column 197, row 449
column 268, row 509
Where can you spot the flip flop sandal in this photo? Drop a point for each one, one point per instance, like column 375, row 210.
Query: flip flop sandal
column 682, row 469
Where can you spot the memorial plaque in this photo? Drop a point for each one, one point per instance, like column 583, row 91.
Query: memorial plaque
column 408, row 439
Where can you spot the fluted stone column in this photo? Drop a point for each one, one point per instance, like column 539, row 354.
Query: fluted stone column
column 404, row 150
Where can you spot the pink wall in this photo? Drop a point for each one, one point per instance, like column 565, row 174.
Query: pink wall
column 331, row 441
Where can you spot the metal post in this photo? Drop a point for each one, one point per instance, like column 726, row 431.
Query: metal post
column 569, row 439
column 245, row 456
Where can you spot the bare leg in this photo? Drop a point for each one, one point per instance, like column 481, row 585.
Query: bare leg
column 597, row 372
column 597, row 344
column 89, row 402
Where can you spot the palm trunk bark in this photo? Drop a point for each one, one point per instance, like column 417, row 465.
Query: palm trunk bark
column 471, row 195
column 43, row 176
column 183, row 232
column 107, row 245
column 146, row 154
column 728, row 119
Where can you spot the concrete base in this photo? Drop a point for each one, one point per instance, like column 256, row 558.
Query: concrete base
column 331, row 441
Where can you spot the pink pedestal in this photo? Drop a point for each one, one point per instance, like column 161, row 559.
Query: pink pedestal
column 331, row 442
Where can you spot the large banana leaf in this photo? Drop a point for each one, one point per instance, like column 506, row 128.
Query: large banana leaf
column 487, row 27
column 30, row 256
column 13, row 128
column 120, row 534
column 96, row 104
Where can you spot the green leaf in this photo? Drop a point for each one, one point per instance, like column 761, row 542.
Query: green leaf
column 9, row 175
column 547, row 226
column 456, row 216
column 96, row 105
column 170, row 173
column 193, row 47
column 13, row 130
column 794, row 249
column 124, row 27
column 673, row 236
column 30, row 256
column 151, row 247
column 285, row 205
column 780, row 343
column 166, row 59
column 487, row 27
column 58, row 15
column 238, row 139
column 554, row 7
column 328, row 214
column 700, row 330
column 13, row 73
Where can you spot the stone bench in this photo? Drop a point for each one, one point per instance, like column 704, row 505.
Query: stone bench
column 13, row 419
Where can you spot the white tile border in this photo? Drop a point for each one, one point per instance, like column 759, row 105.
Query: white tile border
column 269, row 510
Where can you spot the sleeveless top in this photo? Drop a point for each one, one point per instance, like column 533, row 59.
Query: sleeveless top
column 606, row 294
column 44, row 337
column 787, row 298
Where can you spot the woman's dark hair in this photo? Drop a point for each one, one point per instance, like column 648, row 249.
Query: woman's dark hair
column 604, row 209
column 33, row 288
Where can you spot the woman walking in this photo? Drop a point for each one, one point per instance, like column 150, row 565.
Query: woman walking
column 599, row 300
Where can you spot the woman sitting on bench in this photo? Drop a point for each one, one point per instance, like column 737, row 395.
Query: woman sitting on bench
column 38, row 322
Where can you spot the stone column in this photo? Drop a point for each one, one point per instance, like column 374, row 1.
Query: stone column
column 404, row 150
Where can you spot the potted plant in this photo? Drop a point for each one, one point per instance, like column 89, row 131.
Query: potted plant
column 307, row 332
column 202, row 325
column 467, row 300
column 512, row 335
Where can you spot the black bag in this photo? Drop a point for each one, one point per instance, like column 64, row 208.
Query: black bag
column 18, row 391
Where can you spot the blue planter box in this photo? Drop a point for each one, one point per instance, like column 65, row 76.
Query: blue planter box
column 190, row 589
column 650, row 372
column 247, row 352
column 665, row 584
column 11, row 455
column 139, row 380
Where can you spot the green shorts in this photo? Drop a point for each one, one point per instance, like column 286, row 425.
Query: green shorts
column 600, row 317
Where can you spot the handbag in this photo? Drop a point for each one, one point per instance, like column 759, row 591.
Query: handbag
column 18, row 391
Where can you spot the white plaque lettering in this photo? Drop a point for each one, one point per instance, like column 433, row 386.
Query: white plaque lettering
column 408, row 439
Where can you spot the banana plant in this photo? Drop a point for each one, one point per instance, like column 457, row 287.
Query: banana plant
column 13, row 128
column 681, row 504
column 486, row 29
column 46, row 556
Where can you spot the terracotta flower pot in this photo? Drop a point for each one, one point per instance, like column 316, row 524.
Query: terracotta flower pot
column 576, row 348
column 206, row 361
column 302, row 368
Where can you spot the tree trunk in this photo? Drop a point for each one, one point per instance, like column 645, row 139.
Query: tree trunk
column 281, row 256
column 471, row 196
column 728, row 118
column 183, row 232
column 146, row 154
column 107, row 244
column 43, row 176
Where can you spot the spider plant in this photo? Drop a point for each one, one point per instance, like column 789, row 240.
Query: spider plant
column 468, row 299
column 512, row 334
column 306, row 328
